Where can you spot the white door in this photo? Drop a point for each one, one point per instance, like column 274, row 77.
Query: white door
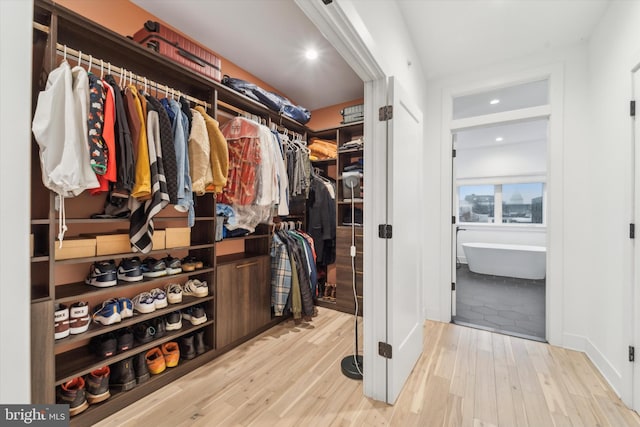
column 404, row 204
column 454, row 226
column 636, row 251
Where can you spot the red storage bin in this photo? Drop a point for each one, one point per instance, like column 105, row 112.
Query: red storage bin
column 177, row 48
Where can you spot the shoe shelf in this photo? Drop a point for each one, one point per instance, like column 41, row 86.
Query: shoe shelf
column 247, row 237
column 96, row 329
column 132, row 254
column 120, row 399
column 81, row 361
column 40, row 258
column 72, row 292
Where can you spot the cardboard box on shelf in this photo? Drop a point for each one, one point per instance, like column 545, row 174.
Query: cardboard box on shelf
column 109, row 244
column 177, row 237
column 158, row 240
column 75, row 248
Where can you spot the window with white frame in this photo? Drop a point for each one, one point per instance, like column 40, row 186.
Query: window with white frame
column 507, row 203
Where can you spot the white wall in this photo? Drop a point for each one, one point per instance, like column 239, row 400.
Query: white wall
column 15, row 124
column 613, row 51
column 506, row 160
column 390, row 43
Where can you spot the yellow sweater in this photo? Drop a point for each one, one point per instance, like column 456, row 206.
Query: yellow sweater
column 142, row 188
column 219, row 153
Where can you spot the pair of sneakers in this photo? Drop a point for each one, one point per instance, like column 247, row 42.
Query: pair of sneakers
column 193, row 287
column 113, row 311
column 148, row 302
column 168, row 265
column 71, row 320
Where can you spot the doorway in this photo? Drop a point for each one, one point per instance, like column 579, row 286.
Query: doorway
column 499, row 237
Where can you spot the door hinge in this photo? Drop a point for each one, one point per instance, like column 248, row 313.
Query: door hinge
column 385, row 350
column 385, row 113
column 632, row 108
column 632, row 353
column 327, row 1
column 632, row 231
column 453, row 153
column 385, row 231
column 453, row 286
column 453, row 219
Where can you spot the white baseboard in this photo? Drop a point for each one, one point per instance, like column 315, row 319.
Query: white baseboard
column 606, row 368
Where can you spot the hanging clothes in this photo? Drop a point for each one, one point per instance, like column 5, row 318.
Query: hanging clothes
column 180, row 138
column 294, row 278
column 60, row 129
column 321, row 220
column 168, row 159
column 136, row 110
column 281, row 175
column 219, row 155
column 141, row 227
column 108, row 137
column 125, row 174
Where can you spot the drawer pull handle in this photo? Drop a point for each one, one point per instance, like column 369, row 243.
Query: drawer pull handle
column 247, row 264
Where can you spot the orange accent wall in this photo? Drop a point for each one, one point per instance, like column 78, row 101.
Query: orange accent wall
column 329, row 117
column 125, row 18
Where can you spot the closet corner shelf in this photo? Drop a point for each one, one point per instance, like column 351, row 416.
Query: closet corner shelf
column 81, row 361
column 348, row 202
column 323, row 161
column 74, row 291
column 39, row 299
column 247, row 237
column 351, row 151
column 39, row 221
column 40, row 258
column 97, row 329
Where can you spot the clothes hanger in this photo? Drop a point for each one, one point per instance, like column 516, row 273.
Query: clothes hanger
column 90, row 63
column 64, row 53
column 101, row 69
column 79, row 58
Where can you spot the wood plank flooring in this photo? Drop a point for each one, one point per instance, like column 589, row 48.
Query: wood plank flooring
column 290, row 376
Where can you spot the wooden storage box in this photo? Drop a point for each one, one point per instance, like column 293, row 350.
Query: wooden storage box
column 158, row 240
column 177, row 237
column 75, row 248
column 109, row 244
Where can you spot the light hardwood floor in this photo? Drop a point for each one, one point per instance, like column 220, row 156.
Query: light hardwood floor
column 290, row 376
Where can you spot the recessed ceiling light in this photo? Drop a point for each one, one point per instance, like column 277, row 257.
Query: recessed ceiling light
column 494, row 101
column 311, row 54
column 499, row 139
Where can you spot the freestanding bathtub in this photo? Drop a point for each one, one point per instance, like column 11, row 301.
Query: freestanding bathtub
column 521, row 261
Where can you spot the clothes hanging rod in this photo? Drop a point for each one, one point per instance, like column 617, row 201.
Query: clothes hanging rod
column 124, row 74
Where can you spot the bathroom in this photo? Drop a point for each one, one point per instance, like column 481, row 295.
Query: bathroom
column 500, row 196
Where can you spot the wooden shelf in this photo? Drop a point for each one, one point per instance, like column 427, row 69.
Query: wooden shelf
column 131, row 254
column 98, row 329
column 355, row 202
column 40, row 258
column 39, row 222
column 247, row 237
column 74, row 291
column 323, row 161
column 351, row 151
column 81, row 361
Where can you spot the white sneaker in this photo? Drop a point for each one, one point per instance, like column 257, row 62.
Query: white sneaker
column 159, row 298
column 195, row 288
column 144, row 303
column 174, row 293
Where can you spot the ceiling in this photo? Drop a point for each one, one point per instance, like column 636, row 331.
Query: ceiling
column 268, row 37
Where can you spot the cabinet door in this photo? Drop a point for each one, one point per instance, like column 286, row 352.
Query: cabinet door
column 243, row 299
